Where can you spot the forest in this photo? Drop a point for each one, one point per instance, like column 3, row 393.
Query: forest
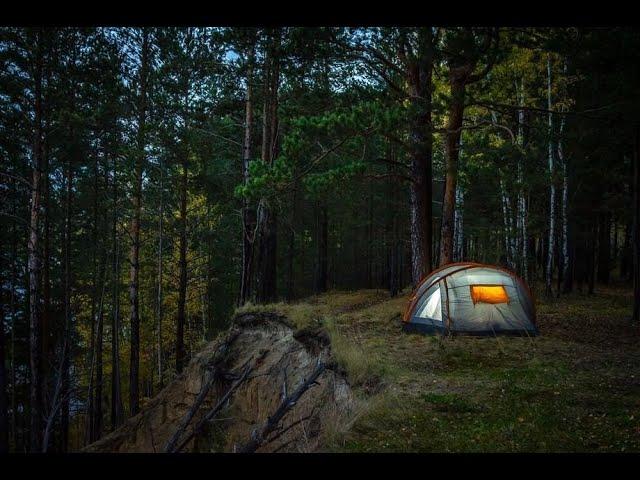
column 156, row 180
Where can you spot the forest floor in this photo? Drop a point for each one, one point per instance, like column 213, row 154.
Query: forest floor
column 576, row 387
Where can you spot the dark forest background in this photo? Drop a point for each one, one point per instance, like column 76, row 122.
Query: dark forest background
column 154, row 179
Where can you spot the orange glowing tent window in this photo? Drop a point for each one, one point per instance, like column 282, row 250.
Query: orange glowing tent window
column 489, row 294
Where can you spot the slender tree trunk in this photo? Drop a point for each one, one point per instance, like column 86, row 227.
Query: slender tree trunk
column 159, row 306
column 182, row 289
column 95, row 282
column 12, row 311
column 566, row 259
column 67, row 330
column 96, row 429
column 248, row 211
column 34, row 260
column 522, row 204
column 395, row 247
column 420, row 82
column 452, row 150
column 552, row 189
column 4, row 403
column 458, row 215
column 116, row 395
column 636, row 229
column 508, row 227
column 45, row 358
column 134, row 367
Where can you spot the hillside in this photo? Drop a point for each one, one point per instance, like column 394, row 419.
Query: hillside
column 576, row 387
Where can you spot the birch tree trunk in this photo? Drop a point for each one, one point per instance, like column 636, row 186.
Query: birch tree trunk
column 564, row 215
column 458, row 239
column 522, row 205
column 552, row 189
column 508, row 223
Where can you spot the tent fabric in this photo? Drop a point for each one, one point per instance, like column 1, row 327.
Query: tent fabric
column 473, row 299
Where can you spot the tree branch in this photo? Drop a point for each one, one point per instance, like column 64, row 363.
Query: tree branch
column 259, row 436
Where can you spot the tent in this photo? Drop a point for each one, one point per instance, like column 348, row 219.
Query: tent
column 471, row 299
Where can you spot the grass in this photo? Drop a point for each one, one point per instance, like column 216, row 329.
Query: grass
column 576, row 387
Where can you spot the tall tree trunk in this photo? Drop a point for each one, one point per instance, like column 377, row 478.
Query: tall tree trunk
column 248, row 211
column 97, row 423
column 452, row 150
column 34, row 259
column 45, row 341
column 4, row 404
column 508, row 224
column 159, row 306
column 267, row 225
column 116, row 392
column 636, row 229
column 395, row 247
column 419, row 76
column 134, row 367
column 67, row 330
column 458, row 215
column 95, row 282
column 552, row 189
column 182, row 288
column 12, row 312
column 564, row 214
column 522, row 204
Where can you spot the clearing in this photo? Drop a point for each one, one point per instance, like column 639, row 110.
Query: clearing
column 576, row 387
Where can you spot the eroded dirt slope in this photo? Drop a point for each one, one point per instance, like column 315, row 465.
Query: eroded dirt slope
column 280, row 358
